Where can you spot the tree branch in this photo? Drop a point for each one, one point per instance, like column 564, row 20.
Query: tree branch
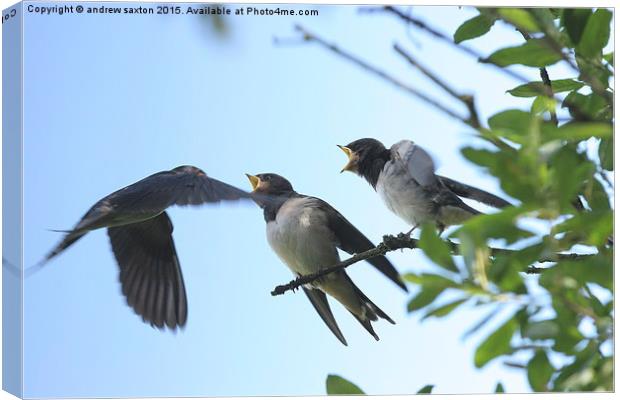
column 474, row 123
column 554, row 45
column 445, row 38
column 552, row 35
column 308, row 36
column 402, row 241
column 467, row 100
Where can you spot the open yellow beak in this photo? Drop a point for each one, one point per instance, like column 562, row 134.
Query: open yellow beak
column 350, row 166
column 254, row 181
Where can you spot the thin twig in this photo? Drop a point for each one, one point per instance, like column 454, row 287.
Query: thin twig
column 401, row 241
column 445, row 38
column 551, row 38
column 467, row 100
column 544, row 75
column 376, row 71
column 475, row 124
column 515, row 365
column 595, row 85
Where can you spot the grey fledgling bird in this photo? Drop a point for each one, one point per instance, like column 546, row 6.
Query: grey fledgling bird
column 404, row 176
column 306, row 232
column 140, row 232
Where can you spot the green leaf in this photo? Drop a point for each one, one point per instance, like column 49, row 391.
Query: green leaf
column 514, row 121
column 578, row 131
column 539, row 371
column 336, row 385
column 593, row 227
column 515, row 171
column 596, row 34
column 569, row 170
column 567, row 275
column 445, row 309
column 533, row 53
column 582, row 360
column 435, row 248
column 545, row 19
column 536, row 88
column 606, row 153
column 424, row 297
column 520, row 18
column 590, row 106
column 574, row 21
column 501, row 225
column 497, row 344
column 539, row 330
column 594, row 69
column 543, row 104
column 426, row 389
column 505, row 272
column 482, row 322
column 609, row 57
column 474, row 27
column 597, row 197
column 499, row 388
column 430, row 280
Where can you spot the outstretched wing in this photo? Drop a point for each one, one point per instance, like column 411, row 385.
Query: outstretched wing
column 417, row 161
column 150, row 273
column 185, row 185
column 319, row 301
column 351, row 240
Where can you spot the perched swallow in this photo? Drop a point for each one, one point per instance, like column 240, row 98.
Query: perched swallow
column 306, row 232
column 140, row 232
column 404, row 176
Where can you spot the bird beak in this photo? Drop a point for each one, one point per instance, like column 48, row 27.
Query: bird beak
column 254, row 181
column 352, row 159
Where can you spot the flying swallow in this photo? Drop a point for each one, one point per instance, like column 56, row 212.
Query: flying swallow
column 140, row 232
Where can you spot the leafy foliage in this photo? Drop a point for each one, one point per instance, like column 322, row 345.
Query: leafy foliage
column 552, row 158
column 563, row 322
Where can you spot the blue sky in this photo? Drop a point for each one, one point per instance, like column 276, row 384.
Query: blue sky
column 110, row 99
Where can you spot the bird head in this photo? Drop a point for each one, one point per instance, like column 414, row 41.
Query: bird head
column 269, row 184
column 360, row 152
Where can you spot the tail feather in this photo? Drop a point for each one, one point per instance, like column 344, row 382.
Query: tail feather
column 70, row 238
column 375, row 310
column 371, row 311
column 473, row 193
column 367, row 325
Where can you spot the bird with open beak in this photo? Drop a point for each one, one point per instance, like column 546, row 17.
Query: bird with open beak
column 404, row 176
column 306, row 232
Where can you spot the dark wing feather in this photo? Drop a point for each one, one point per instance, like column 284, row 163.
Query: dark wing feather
column 185, row 185
column 150, row 273
column 319, row 301
column 351, row 240
column 473, row 193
